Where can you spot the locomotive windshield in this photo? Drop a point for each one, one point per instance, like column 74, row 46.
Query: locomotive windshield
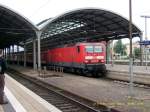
column 98, row 49
column 91, row 49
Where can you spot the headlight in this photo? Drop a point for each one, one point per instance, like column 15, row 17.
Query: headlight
column 100, row 57
column 88, row 57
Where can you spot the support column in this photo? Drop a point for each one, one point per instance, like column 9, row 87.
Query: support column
column 131, row 54
column 34, row 54
column 25, row 58
column 112, row 53
column 17, row 55
column 107, row 52
column 8, row 54
column 5, row 53
column 13, row 54
column 39, row 50
column 141, row 51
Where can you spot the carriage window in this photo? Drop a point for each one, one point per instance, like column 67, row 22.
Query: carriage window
column 98, row 49
column 89, row 49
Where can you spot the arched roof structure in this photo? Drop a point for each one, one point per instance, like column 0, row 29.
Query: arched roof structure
column 71, row 27
column 14, row 28
column 85, row 25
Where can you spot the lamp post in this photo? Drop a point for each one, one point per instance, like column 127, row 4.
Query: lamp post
column 131, row 56
column 144, row 16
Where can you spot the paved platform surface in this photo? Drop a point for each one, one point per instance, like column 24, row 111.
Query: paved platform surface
column 99, row 90
column 121, row 72
column 22, row 99
column 7, row 107
column 125, row 68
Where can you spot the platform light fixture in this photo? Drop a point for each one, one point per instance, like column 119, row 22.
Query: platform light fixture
column 145, row 16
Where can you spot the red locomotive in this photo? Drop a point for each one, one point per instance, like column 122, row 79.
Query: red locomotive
column 81, row 57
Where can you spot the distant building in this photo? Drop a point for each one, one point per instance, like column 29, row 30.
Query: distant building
column 134, row 45
column 137, row 45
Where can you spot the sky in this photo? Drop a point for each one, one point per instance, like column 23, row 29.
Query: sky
column 38, row 10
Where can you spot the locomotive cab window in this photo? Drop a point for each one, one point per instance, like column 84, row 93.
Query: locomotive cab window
column 89, row 49
column 98, row 49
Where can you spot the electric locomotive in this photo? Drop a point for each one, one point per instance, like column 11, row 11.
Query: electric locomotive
column 81, row 57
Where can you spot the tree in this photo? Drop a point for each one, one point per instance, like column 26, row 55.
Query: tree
column 120, row 48
column 136, row 52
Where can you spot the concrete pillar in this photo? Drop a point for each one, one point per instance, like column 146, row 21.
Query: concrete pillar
column 112, row 53
column 141, row 51
column 38, row 33
column 17, row 55
column 13, row 54
column 107, row 45
column 3, row 53
column 25, row 55
column 34, row 54
column 9, row 54
column 6, row 54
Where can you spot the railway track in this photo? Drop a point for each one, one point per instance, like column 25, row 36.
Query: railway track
column 127, row 82
column 135, row 84
column 66, row 102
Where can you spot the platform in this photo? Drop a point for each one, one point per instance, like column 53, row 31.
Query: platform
column 22, row 99
column 96, row 89
column 139, row 70
column 141, row 74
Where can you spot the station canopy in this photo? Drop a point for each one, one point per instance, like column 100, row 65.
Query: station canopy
column 14, row 28
column 84, row 25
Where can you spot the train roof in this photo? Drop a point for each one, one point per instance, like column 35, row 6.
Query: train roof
column 90, row 43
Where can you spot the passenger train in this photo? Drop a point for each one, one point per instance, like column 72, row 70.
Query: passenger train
column 84, row 58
